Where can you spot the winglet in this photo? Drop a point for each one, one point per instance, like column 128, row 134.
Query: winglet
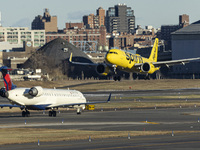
column 108, row 101
column 70, row 58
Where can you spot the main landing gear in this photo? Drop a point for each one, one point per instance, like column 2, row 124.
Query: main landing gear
column 25, row 113
column 52, row 113
column 117, row 78
column 147, row 77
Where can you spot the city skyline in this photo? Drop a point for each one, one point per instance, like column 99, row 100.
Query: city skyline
column 155, row 12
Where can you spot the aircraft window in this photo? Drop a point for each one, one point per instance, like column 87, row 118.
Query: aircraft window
column 113, row 52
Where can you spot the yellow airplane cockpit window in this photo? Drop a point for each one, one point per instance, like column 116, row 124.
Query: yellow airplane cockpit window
column 113, row 53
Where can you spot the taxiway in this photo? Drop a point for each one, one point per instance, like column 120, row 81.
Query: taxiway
column 165, row 119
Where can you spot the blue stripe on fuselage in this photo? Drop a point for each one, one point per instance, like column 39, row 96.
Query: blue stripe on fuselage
column 37, row 107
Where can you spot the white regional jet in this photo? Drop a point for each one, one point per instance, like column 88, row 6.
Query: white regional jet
column 38, row 98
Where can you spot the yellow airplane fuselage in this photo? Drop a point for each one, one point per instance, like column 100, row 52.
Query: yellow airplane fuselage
column 126, row 61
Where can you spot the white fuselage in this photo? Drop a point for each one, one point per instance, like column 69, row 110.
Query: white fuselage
column 49, row 98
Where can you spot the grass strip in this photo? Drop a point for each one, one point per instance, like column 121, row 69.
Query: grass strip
column 132, row 104
column 95, row 85
column 28, row 135
column 127, row 104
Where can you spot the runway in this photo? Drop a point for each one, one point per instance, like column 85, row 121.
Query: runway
column 165, row 119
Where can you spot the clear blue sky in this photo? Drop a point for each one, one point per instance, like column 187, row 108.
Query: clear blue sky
column 147, row 12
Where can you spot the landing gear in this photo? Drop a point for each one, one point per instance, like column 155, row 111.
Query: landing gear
column 147, row 77
column 135, row 76
column 78, row 111
column 52, row 113
column 117, row 78
column 25, row 113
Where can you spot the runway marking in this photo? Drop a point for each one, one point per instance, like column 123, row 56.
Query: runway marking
column 71, row 124
column 150, row 145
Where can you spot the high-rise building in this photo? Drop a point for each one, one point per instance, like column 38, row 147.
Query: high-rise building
column 45, row 22
column 88, row 21
column 95, row 21
column 120, row 18
column 101, row 16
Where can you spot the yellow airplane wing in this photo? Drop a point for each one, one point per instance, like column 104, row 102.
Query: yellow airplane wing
column 80, row 63
column 174, row 62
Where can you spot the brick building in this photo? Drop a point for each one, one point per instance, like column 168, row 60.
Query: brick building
column 74, row 25
column 95, row 21
column 82, row 34
column 184, row 20
column 45, row 22
column 101, row 16
column 122, row 41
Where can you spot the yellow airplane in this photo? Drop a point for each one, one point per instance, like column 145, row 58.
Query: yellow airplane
column 128, row 62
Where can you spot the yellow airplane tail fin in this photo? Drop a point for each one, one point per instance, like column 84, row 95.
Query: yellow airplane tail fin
column 154, row 52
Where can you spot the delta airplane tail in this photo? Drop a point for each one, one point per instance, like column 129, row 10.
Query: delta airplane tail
column 7, row 80
column 154, row 52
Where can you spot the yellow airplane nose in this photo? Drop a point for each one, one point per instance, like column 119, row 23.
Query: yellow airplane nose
column 108, row 58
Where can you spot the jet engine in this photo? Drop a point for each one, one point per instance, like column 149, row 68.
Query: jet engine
column 36, row 91
column 3, row 92
column 102, row 69
column 146, row 67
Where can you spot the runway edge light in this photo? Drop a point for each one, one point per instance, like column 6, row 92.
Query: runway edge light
column 129, row 137
column 90, row 139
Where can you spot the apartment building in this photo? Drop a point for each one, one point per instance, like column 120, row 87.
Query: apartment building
column 120, row 18
column 95, row 21
column 17, row 35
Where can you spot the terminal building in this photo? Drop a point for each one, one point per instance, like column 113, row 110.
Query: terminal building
column 166, row 30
